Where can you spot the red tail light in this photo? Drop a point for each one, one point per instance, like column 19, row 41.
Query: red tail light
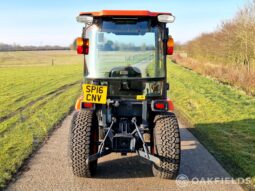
column 87, row 105
column 170, row 46
column 80, row 49
column 82, row 46
column 170, row 50
column 159, row 105
column 162, row 105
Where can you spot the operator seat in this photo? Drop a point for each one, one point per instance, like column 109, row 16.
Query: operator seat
column 128, row 87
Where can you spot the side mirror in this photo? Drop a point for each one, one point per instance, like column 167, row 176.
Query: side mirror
column 170, row 46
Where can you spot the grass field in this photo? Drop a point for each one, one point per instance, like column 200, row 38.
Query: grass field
column 223, row 118
column 37, row 91
column 39, row 88
column 237, row 76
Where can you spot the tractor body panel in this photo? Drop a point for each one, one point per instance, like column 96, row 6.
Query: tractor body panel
column 125, row 82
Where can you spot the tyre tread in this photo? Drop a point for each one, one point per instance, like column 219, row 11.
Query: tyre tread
column 167, row 144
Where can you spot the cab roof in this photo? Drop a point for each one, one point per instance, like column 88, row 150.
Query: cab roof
column 132, row 13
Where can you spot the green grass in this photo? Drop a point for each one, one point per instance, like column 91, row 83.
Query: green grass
column 38, row 58
column 19, row 86
column 38, row 88
column 223, row 118
column 35, row 96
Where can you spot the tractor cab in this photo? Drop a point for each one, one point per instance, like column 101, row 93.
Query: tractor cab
column 126, row 50
column 124, row 107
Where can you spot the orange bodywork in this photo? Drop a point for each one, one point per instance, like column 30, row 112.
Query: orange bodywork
column 170, row 105
column 138, row 13
column 78, row 103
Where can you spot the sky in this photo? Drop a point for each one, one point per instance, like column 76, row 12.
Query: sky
column 48, row 22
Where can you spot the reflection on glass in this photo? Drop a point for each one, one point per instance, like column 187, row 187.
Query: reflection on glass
column 124, row 50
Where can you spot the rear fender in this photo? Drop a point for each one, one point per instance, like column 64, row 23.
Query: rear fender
column 78, row 103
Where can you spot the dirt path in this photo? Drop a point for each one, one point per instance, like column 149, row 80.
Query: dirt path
column 50, row 170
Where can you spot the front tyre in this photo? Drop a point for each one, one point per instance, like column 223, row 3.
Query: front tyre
column 83, row 143
column 166, row 146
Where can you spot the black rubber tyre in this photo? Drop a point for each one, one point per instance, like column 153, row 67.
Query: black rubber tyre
column 83, row 142
column 166, row 146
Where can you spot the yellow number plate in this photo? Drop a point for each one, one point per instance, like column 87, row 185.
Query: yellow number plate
column 94, row 93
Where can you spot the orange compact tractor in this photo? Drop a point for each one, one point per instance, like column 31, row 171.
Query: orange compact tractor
column 124, row 107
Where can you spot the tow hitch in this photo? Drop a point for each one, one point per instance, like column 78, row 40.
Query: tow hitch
column 103, row 151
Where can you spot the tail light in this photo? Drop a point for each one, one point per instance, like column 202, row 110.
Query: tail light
column 86, row 105
column 162, row 105
column 170, row 46
column 159, row 105
column 82, row 46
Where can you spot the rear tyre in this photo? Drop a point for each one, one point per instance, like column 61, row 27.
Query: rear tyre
column 166, row 135
column 84, row 138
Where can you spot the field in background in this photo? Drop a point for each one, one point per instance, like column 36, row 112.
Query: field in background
column 223, row 118
column 38, row 58
column 38, row 89
column 37, row 93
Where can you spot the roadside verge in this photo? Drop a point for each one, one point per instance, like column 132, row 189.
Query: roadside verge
column 223, row 118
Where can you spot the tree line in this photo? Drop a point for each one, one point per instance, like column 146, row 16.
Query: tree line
column 14, row 47
column 233, row 43
column 116, row 46
column 109, row 45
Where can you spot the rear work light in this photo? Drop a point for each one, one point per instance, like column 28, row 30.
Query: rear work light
column 166, row 18
column 82, row 46
column 162, row 105
column 170, row 46
column 85, row 19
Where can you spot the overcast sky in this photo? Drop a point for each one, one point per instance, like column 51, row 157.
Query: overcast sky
column 48, row 22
